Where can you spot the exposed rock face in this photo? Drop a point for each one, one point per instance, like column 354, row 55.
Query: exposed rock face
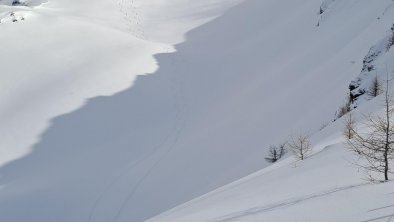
column 325, row 5
column 373, row 65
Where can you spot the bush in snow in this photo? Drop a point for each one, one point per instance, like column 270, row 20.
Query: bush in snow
column 275, row 153
column 16, row 2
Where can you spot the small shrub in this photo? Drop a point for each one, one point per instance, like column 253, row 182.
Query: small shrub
column 275, row 153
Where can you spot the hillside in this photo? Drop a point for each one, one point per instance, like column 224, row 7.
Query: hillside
column 87, row 135
column 327, row 186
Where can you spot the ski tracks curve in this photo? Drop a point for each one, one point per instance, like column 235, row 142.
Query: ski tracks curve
column 129, row 10
column 285, row 203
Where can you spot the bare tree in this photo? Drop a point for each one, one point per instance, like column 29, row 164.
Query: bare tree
column 275, row 153
column 376, row 148
column 300, row 146
column 282, row 149
column 349, row 126
column 375, row 88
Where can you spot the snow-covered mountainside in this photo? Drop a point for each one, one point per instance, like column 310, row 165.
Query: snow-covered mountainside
column 87, row 137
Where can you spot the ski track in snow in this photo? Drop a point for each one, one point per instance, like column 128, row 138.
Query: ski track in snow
column 124, row 7
column 388, row 217
column 130, row 11
column 275, row 206
column 132, row 17
column 180, row 118
column 171, row 138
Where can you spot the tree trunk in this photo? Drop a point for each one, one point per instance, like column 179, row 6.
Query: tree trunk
column 386, row 168
column 387, row 145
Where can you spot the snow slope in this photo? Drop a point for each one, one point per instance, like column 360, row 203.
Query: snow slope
column 252, row 77
column 64, row 59
column 57, row 54
column 325, row 187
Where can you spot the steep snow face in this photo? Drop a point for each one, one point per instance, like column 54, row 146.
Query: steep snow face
column 246, row 80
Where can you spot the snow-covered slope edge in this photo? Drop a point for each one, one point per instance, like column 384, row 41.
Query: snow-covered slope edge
column 75, row 50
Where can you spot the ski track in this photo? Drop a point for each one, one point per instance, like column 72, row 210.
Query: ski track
column 380, row 208
column 182, row 109
column 179, row 118
column 132, row 17
column 124, row 172
column 124, row 7
column 128, row 169
column 388, row 217
column 133, row 20
column 275, row 206
column 181, row 101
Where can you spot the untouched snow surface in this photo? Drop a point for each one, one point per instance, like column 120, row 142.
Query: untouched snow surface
column 248, row 79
